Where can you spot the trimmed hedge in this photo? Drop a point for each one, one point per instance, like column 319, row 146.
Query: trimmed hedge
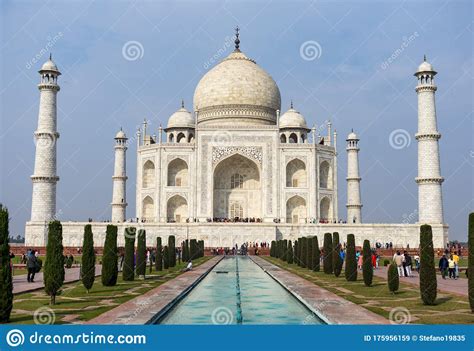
column 54, row 265
column 128, row 270
column 166, row 258
column 351, row 263
column 88, row 258
column 109, row 257
column 159, row 255
column 393, row 279
column 6, row 279
column 327, row 258
column 367, row 268
column 141, row 253
column 316, row 254
column 172, row 248
column 290, row 252
column 428, row 283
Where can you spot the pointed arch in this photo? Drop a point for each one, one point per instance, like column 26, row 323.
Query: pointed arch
column 148, row 174
column 148, row 209
column 325, row 209
column 177, row 209
column 296, row 211
column 296, row 176
column 178, row 173
column 325, row 175
column 293, row 138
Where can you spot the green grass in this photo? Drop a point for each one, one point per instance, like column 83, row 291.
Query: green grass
column 74, row 299
column 449, row 309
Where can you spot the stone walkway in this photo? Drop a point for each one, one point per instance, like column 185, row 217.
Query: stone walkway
column 143, row 309
column 452, row 286
column 331, row 308
column 21, row 285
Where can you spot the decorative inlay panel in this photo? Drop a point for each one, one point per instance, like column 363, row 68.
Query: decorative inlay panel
column 252, row 152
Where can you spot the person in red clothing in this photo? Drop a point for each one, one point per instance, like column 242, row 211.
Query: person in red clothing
column 374, row 259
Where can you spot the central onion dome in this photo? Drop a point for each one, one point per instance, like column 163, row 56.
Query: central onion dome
column 237, row 92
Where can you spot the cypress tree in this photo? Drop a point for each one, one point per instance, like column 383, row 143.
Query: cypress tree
column 367, row 268
column 272, row 248
column 109, row 259
column 295, row 253
column 428, row 283
column 393, row 280
column 351, row 262
column 6, row 286
column 201, row 248
column 470, row 262
column 141, row 253
column 309, row 254
column 304, row 251
column 336, row 256
column 54, row 265
column 300, row 252
column 327, row 258
column 172, row 249
column 186, row 255
column 166, row 258
column 159, row 255
column 88, row 258
column 192, row 248
column 290, row 252
column 285, row 250
column 316, row 254
column 128, row 271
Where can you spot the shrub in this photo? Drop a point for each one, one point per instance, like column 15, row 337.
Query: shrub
column 309, row 254
column 192, row 249
column 272, row 248
column 428, row 283
column 351, row 262
column 54, row 265
column 304, row 251
column 159, row 255
column 470, row 262
column 296, row 258
column 109, row 258
column 141, row 253
column 166, row 257
column 201, row 248
column 6, row 281
column 327, row 258
column 186, row 256
column 393, row 280
column 336, row 257
column 284, row 249
column 316, row 254
column 128, row 271
column 290, row 252
column 367, row 268
column 88, row 258
column 172, row 248
column 386, row 262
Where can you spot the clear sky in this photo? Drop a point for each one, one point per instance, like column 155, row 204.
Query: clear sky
column 351, row 62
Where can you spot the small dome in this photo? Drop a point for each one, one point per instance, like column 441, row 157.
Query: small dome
column 181, row 119
column 120, row 135
column 352, row 136
column 292, row 119
column 49, row 66
column 425, row 67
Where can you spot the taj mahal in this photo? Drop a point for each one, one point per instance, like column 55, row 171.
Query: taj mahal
column 236, row 168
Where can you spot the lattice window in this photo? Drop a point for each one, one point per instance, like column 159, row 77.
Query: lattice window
column 236, row 181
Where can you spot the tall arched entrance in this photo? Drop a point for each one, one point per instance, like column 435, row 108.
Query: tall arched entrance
column 237, row 189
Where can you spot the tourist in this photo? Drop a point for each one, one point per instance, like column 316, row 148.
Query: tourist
column 456, row 264
column 407, row 264
column 359, row 261
column 443, row 266
column 374, row 260
column 32, row 263
column 188, row 267
column 451, row 267
column 417, row 263
column 398, row 259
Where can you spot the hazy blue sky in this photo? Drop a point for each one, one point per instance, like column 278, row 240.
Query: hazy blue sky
column 350, row 80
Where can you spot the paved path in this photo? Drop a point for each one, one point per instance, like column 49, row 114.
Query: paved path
column 21, row 285
column 142, row 309
column 452, row 286
column 332, row 308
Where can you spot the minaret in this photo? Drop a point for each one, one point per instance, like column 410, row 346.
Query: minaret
column 354, row 204
column 430, row 202
column 119, row 200
column 44, row 178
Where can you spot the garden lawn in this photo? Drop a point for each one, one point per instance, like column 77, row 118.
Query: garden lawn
column 75, row 305
column 449, row 309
